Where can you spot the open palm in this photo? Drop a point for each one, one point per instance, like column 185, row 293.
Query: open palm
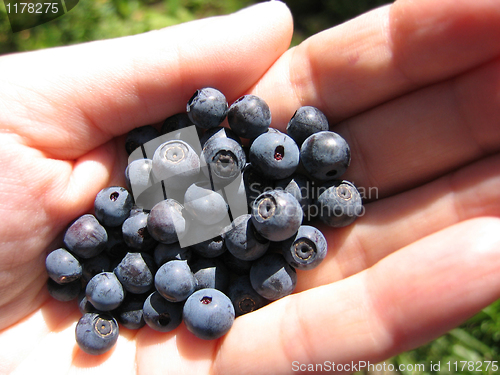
column 413, row 87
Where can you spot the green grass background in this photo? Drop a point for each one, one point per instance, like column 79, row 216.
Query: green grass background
column 476, row 340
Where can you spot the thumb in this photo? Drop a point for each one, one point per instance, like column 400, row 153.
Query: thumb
column 83, row 95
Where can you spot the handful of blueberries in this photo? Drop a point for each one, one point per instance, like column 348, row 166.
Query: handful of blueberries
column 204, row 236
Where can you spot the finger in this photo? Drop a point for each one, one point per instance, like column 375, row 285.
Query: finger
column 420, row 136
column 49, row 343
column 405, row 300
column 381, row 55
column 191, row 355
column 81, row 96
column 392, row 223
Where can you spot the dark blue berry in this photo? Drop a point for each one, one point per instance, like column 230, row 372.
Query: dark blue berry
column 275, row 155
column 210, row 248
column 115, row 246
column 210, row 273
column 325, row 155
column 136, row 272
column 130, row 313
column 166, row 222
column 138, row 176
column 276, row 215
column 160, row 314
column 225, row 159
column 219, row 132
column 86, row 237
column 83, row 303
column 64, row 292
column 243, row 241
column 62, row 266
column 175, row 122
column 307, row 249
column 236, row 265
column 300, row 187
column 244, row 297
column 272, row 277
column 208, row 314
column 136, row 233
column 339, row 203
column 255, row 183
column 175, row 281
column 112, row 206
column 138, row 136
column 176, row 163
column 205, row 205
column 104, row 291
column 96, row 333
column 249, row 116
column 93, row 266
column 306, row 121
column 165, row 252
column 207, row 108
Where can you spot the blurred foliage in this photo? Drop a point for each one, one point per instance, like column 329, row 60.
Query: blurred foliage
column 103, row 19
column 471, row 349
column 476, row 340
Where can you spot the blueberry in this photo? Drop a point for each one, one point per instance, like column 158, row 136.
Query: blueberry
column 160, row 314
column 208, row 314
column 165, row 252
column 306, row 121
column 175, row 122
column 138, row 136
column 249, row 116
column 62, row 266
column 64, row 292
column 205, row 205
column 225, row 159
column 115, row 246
column 219, row 132
column 93, row 266
column 276, row 215
column 166, row 222
column 86, row 237
column 136, row 233
column 83, row 303
column 275, row 155
column 255, row 183
column 104, row 291
column 339, row 203
column 307, row 249
column 300, row 187
column 244, row 297
column 176, row 163
column 325, row 155
column 175, row 281
column 272, row 277
column 236, row 265
column 243, row 241
column 130, row 313
column 96, row 333
column 137, row 210
column 138, row 176
column 136, row 272
column 112, row 206
column 210, row 273
column 210, row 248
column 207, row 108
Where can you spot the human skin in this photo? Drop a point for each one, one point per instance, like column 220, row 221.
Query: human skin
column 414, row 89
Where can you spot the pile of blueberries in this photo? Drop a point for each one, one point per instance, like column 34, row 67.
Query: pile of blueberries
column 202, row 237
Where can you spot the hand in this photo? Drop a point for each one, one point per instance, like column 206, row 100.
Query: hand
column 412, row 87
